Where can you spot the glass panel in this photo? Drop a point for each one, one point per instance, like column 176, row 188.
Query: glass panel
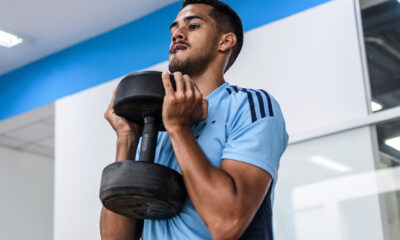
column 330, row 188
column 389, row 158
column 381, row 26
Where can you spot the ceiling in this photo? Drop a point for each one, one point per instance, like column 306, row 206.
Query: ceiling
column 49, row 26
column 31, row 132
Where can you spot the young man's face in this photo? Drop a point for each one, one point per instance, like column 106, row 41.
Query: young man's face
column 194, row 40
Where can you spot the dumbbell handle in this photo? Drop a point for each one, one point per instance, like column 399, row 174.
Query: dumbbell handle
column 149, row 138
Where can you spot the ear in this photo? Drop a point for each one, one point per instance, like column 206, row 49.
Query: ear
column 227, row 41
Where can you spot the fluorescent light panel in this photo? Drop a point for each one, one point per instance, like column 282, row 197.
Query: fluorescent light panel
column 376, row 106
column 330, row 164
column 393, row 143
column 9, row 40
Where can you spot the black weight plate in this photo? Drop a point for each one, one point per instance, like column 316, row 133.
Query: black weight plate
column 140, row 93
column 142, row 190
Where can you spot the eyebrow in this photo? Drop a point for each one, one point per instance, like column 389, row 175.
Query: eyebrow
column 186, row 19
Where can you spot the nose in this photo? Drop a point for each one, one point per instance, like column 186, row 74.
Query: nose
column 178, row 34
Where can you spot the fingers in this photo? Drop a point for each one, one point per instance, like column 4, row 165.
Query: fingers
column 113, row 97
column 185, row 87
column 169, row 90
column 110, row 109
column 184, row 106
column 196, row 88
column 198, row 94
column 189, row 86
column 180, row 84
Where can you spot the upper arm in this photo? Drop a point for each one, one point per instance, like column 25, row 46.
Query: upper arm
column 256, row 139
column 251, row 185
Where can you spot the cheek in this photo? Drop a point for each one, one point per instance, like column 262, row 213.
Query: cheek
column 200, row 43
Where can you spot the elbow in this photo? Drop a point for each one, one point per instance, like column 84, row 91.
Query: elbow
column 227, row 229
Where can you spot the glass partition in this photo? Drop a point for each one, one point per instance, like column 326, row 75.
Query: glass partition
column 334, row 187
column 381, row 27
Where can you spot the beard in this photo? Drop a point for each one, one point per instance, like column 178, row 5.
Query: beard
column 192, row 65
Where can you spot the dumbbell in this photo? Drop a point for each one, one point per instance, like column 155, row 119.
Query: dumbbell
column 142, row 189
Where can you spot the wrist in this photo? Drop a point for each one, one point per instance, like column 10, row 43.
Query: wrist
column 127, row 134
column 126, row 137
column 126, row 147
column 177, row 130
column 124, row 143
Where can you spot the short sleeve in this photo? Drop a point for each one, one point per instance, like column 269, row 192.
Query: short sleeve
column 256, row 133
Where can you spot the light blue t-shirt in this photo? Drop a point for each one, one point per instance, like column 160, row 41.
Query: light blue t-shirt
column 244, row 125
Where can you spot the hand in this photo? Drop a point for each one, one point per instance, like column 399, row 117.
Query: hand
column 121, row 126
column 186, row 105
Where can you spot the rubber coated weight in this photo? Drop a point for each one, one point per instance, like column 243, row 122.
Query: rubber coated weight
column 139, row 94
column 142, row 190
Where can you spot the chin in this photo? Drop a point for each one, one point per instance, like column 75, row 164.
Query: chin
column 178, row 66
column 178, row 61
column 175, row 58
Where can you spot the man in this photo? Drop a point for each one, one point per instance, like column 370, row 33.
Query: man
column 226, row 146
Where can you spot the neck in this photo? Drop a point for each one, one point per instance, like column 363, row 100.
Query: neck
column 210, row 79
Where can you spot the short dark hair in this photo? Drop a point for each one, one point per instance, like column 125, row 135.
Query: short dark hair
column 227, row 21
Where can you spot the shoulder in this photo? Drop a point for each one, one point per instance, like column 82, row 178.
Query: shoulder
column 256, row 131
column 251, row 105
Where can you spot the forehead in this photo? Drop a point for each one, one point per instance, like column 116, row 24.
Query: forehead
column 201, row 10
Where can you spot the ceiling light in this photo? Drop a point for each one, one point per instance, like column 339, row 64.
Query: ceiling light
column 330, row 164
column 9, row 40
column 376, row 106
column 393, row 143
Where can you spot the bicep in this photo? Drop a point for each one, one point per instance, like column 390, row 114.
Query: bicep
column 251, row 185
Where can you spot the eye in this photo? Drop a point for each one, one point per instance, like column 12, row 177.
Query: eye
column 193, row 26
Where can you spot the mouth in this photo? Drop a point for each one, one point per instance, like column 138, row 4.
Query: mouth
column 178, row 46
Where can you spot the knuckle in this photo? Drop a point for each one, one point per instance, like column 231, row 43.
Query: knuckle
column 189, row 94
column 198, row 96
column 180, row 96
column 170, row 99
column 177, row 74
column 107, row 115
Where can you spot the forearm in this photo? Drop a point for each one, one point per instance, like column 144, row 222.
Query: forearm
column 117, row 227
column 126, row 147
column 211, row 189
column 114, row 226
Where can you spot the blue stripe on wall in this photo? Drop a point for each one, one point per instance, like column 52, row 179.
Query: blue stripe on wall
column 134, row 46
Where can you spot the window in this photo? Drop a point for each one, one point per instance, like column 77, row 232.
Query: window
column 381, row 27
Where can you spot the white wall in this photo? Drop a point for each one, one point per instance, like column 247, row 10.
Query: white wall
column 85, row 144
column 311, row 63
column 26, row 199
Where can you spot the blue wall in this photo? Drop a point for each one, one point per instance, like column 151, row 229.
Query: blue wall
column 126, row 49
